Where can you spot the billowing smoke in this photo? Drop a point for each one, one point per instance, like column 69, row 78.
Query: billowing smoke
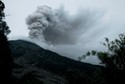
column 58, row 26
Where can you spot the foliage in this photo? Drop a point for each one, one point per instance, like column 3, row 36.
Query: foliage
column 3, row 25
column 114, row 58
column 5, row 53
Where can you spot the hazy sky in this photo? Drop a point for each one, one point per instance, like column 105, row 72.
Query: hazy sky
column 17, row 11
column 111, row 24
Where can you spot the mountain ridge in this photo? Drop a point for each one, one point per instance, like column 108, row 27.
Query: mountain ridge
column 30, row 57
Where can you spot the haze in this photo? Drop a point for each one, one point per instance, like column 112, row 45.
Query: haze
column 110, row 24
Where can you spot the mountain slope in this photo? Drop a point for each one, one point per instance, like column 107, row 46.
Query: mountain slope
column 31, row 59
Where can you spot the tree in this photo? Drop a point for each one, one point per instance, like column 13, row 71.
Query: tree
column 3, row 26
column 5, row 54
column 114, row 57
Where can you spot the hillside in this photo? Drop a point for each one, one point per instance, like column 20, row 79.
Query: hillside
column 39, row 66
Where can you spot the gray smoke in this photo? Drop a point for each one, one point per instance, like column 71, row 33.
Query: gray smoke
column 58, row 26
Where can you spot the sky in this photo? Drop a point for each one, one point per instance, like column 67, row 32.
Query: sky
column 110, row 24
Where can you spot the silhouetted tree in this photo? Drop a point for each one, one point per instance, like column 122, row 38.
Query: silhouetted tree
column 113, row 59
column 5, row 54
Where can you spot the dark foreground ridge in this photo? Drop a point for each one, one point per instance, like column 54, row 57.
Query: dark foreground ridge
column 35, row 65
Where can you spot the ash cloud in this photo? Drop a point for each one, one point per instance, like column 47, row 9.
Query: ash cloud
column 57, row 26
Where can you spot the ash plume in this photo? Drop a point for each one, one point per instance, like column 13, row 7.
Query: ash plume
column 58, row 26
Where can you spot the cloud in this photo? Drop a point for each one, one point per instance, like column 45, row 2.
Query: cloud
column 58, row 27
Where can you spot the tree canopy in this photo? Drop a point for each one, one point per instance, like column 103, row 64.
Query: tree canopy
column 3, row 25
column 6, row 61
column 114, row 57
